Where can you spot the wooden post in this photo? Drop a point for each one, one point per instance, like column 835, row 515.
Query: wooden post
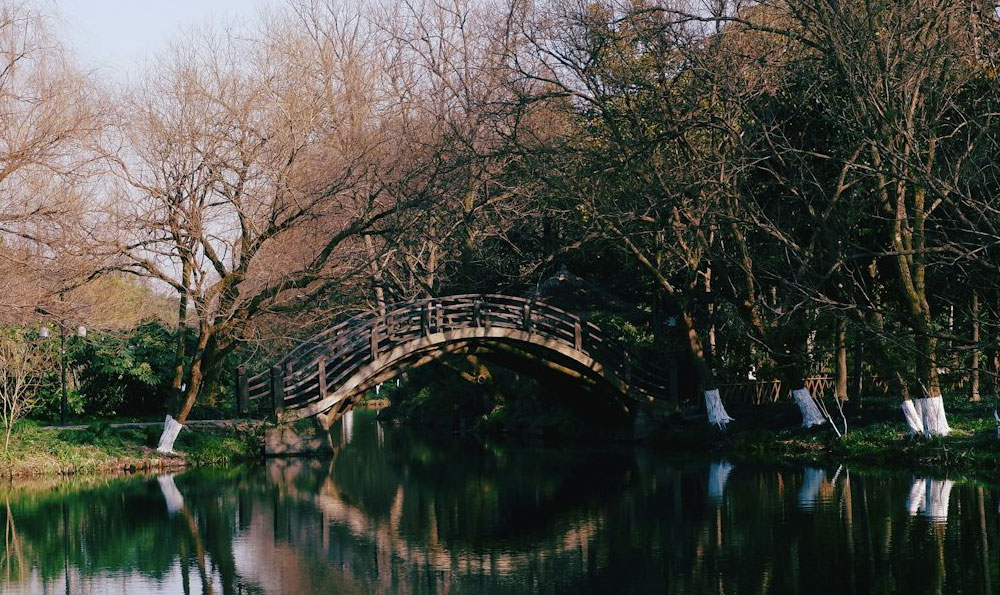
column 374, row 341
column 242, row 393
column 277, row 390
column 526, row 318
column 477, row 314
column 321, row 374
column 577, row 335
column 439, row 318
column 425, row 319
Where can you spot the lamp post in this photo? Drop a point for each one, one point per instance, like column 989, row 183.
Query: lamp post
column 81, row 331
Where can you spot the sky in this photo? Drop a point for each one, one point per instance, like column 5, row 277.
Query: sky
column 115, row 37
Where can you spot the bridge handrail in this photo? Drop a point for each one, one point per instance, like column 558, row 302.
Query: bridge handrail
column 323, row 337
column 343, row 345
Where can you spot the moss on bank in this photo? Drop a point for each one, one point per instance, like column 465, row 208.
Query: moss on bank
column 36, row 451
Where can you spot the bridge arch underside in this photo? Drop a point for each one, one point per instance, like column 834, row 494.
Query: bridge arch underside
column 513, row 349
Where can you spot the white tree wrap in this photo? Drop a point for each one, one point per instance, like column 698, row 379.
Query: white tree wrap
column 171, row 428
column 717, row 415
column 171, row 495
column 718, row 475
column 811, row 415
column 930, row 497
column 914, row 420
column 932, row 413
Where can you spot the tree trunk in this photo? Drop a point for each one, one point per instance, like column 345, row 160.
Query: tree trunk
column 197, row 376
column 789, row 370
column 974, row 364
column 717, row 414
column 993, row 353
column 994, row 371
column 180, row 345
column 840, row 381
column 171, row 426
column 857, row 370
column 932, row 405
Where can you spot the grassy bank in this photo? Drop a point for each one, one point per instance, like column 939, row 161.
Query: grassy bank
column 37, row 451
column 877, row 436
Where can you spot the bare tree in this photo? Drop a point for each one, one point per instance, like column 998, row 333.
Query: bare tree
column 253, row 172
column 48, row 124
column 23, row 367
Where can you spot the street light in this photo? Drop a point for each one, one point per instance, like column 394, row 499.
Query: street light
column 43, row 332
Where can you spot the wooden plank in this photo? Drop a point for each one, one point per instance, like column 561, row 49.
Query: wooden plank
column 577, row 336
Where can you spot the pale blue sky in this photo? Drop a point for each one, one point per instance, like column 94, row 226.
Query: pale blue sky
column 116, row 36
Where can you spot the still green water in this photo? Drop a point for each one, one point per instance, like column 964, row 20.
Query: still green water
column 396, row 513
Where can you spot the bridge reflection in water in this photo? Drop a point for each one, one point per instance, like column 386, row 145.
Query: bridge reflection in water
column 404, row 514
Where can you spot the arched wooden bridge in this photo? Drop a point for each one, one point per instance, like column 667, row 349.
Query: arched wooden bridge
column 324, row 375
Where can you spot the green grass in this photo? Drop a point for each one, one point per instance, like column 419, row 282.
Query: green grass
column 101, row 448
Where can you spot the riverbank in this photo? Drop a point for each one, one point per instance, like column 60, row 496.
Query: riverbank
column 877, row 436
column 99, row 448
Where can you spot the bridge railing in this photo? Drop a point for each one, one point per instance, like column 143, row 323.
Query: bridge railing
column 308, row 372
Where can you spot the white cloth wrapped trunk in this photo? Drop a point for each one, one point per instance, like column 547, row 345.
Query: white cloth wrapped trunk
column 171, row 428
column 933, row 417
column 717, row 415
column 914, row 420
column 811, row 415
column 171, row 495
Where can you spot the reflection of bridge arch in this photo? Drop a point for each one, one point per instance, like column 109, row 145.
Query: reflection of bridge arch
column 323, row 375
column 391, row 543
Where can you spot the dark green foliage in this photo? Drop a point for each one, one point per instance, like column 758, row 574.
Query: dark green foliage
column 125, row 374
column 436, row 395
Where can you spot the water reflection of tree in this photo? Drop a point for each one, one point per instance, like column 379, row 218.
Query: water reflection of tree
column 859, row 538
column 15, row 560
column 418, row 516
column 447, row 515
column 470, row 492
column 120, row 526
column 638, row 525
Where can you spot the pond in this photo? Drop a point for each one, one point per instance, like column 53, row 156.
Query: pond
column 393, row 512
